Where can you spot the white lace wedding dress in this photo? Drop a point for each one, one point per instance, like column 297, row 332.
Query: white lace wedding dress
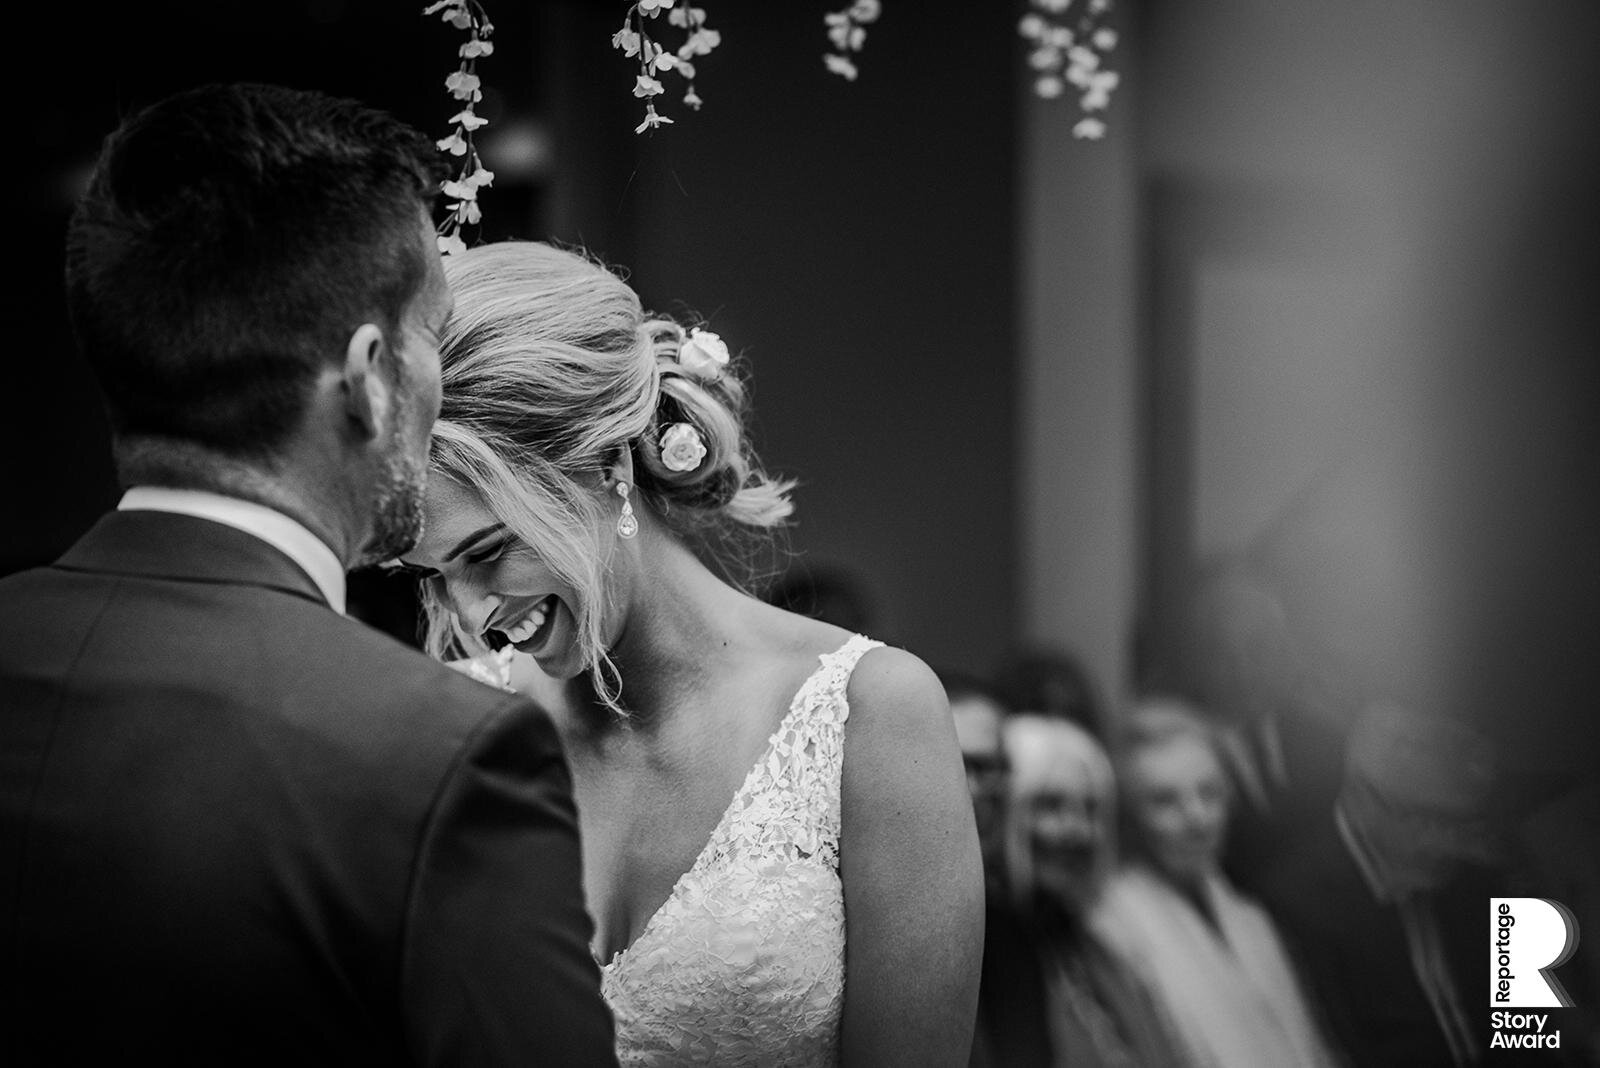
column 743, row 964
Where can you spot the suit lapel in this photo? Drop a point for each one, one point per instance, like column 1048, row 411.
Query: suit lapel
column 185, row 548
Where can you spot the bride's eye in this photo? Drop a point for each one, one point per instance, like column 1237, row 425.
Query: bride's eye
column 490, row 553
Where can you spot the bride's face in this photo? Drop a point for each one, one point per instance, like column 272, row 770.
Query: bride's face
column 497, row 585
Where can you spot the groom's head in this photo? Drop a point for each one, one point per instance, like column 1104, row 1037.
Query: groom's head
column 253, row 278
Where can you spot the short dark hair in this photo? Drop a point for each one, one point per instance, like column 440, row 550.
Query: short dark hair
column 231, row 239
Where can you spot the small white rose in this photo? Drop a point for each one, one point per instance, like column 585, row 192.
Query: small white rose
column 703, row 354
column 681, row 447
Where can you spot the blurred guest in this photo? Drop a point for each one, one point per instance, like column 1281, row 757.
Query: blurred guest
column 1210, row 955
column 1279, row 704
column 980, row 715
column 1052, row 994
column 1387, row 903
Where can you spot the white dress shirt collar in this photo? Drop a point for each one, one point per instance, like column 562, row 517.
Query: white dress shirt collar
column 273, row 527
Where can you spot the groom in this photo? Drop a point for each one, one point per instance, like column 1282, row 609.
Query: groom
column 235, row 825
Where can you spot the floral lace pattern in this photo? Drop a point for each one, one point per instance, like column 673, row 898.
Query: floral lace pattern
column 491, row 669
column 743, row 964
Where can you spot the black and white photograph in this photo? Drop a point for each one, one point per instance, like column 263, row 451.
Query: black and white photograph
column 855, row 533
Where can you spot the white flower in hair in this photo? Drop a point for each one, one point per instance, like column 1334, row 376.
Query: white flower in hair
column 703, row 354
column 682, row 448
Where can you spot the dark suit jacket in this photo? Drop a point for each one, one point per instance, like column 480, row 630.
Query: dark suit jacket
column 238, row 827
column 1353, row 951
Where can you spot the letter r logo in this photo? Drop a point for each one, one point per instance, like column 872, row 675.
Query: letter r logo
column 1528, row 936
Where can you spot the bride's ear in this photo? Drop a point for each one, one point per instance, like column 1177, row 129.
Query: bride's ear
column 620, row 469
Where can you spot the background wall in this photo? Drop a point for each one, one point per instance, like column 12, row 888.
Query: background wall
column 1358, row 330
column 854, row 241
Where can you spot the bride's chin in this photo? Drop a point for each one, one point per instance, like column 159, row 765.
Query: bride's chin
column 558, row 658
column 562, row 664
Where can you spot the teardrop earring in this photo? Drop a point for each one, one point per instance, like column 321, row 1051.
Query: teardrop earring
column 627, row 523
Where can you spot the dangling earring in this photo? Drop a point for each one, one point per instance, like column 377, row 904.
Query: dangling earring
column 627, row 525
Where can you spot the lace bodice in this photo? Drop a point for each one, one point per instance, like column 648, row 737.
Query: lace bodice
column 743, row 964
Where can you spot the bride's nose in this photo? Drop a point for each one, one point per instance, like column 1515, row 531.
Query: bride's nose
column 473, row 606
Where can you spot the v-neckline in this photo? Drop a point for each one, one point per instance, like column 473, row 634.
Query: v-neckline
column 702, row 858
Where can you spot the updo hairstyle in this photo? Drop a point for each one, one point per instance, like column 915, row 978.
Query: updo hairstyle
column 550, row 367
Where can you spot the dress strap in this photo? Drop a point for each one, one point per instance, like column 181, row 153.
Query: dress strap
column 833, row 677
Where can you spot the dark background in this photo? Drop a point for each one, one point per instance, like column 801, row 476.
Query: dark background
column 852, row 241
column 1320, row 309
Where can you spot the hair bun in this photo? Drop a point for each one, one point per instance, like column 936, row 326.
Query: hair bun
column 698, row 461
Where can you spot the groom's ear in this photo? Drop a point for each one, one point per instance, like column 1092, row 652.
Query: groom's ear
column 364, row 389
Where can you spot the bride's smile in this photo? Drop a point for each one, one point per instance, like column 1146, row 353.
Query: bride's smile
column 590, row 470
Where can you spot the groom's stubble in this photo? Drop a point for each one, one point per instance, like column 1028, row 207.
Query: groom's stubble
column 399, row 492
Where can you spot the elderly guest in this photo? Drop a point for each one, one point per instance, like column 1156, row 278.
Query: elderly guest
column 1052, row 994
column 1210, row 955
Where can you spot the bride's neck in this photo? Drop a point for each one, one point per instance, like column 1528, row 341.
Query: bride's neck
column 683, row 623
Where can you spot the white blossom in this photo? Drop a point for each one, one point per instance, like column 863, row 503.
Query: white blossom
column 866, row 10
column 651, row 121
column 626, row 40
column 841, row 66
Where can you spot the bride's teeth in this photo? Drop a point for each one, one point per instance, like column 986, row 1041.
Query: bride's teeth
column 528, row 627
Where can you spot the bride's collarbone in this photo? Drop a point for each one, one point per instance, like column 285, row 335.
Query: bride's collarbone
column 640, row 837
column 649, row 805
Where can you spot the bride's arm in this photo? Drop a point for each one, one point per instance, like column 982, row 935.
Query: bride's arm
column 913, row 880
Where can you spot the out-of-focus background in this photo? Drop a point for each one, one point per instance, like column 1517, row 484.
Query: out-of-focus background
column 1284, row 394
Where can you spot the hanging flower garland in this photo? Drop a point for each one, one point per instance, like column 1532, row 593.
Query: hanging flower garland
column 464, row 86
column 1070, row 50
column 847, row 32
column 634, row 39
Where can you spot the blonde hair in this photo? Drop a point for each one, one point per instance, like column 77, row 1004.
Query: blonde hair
column 1157, row 720
column 1042, row 751
column 551, row 367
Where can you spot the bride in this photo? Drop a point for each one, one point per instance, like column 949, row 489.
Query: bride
column 778, row 847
